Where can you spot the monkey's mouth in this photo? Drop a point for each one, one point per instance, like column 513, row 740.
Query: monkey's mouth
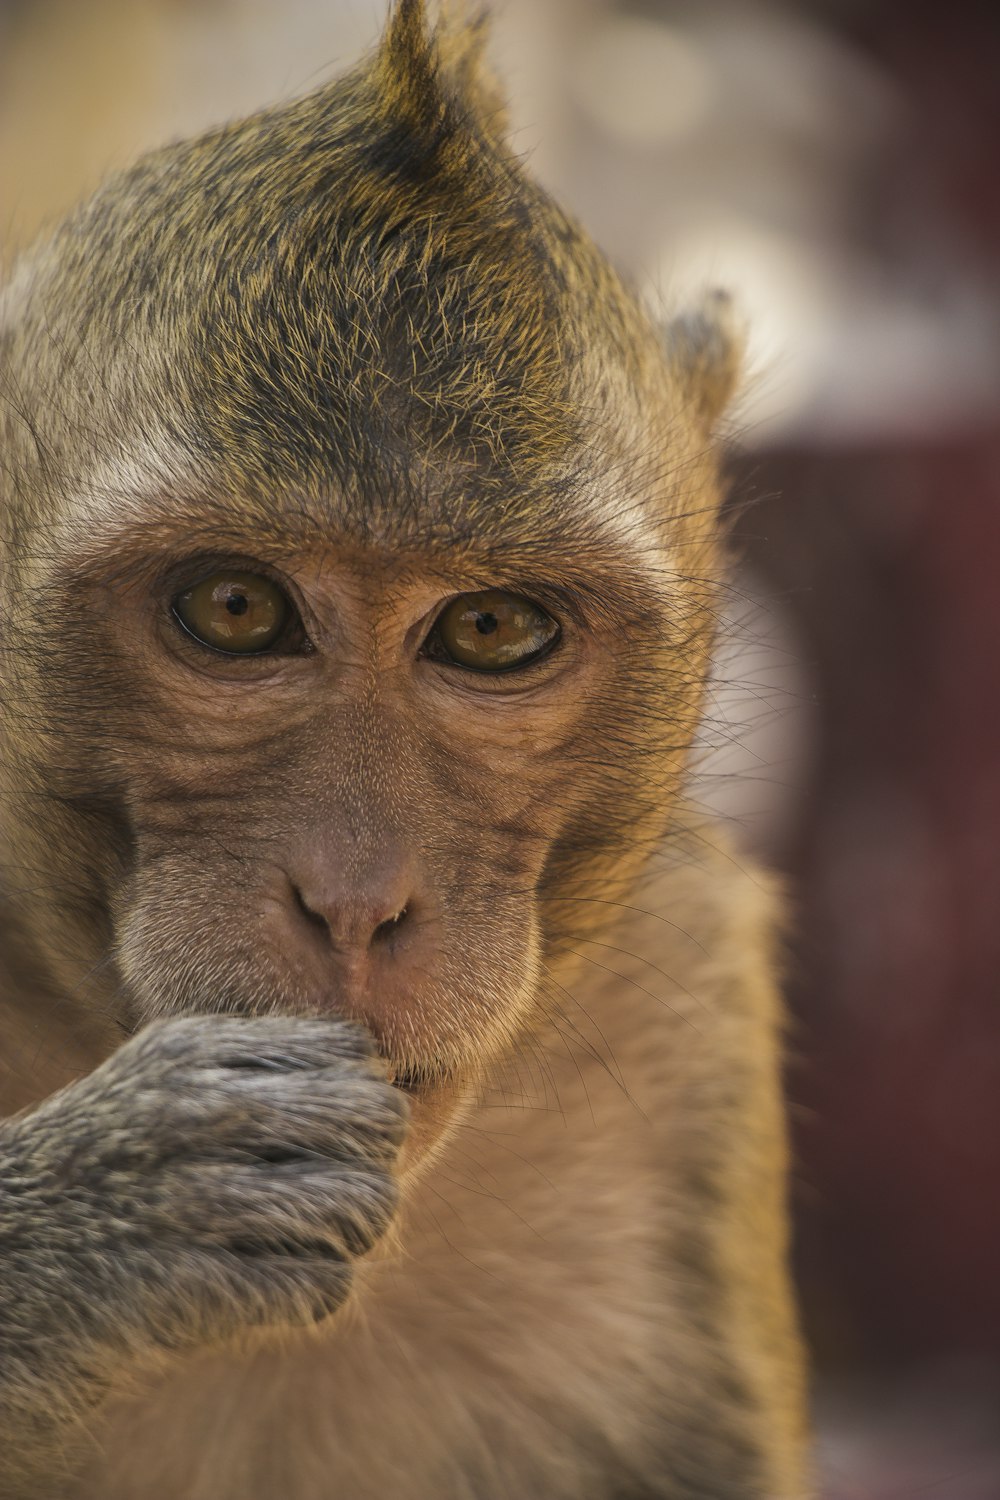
column 408, row 1081
column 421, row 1081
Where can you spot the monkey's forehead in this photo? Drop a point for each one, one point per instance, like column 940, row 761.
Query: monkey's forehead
column 340, row 339
column 363, row 272
column 158, row 501
column 355, row 307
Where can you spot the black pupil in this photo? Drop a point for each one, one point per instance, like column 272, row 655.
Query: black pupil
column 486, row 624
column 237, row 604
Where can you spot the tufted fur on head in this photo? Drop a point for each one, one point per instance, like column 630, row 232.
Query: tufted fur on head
column 371, row 263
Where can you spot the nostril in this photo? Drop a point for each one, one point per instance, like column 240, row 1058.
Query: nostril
column 352, row 922
column 313, row 917
column 390, row 926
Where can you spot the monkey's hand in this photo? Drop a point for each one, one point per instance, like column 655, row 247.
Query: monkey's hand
column 214, row 1175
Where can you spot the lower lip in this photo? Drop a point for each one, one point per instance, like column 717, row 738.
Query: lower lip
column 411, row 1087
column 418, row 1081
column 405, row 1086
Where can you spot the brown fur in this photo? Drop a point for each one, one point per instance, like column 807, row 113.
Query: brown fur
column 349, row 339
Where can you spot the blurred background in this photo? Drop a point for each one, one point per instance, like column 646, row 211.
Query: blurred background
column 836, row 163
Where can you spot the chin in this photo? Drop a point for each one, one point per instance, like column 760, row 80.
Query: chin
column 437, row 1105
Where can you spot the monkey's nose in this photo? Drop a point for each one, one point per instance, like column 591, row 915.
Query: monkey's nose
column 355, row 919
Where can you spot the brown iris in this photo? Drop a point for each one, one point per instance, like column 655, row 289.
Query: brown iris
column 242, row 613
column 492, row 631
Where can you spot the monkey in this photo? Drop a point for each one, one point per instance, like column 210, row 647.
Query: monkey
column 391, row 1055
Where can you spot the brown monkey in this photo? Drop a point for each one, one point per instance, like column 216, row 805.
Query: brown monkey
column 360, row 559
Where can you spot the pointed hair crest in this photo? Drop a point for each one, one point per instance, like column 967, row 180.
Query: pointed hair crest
column 434, row 77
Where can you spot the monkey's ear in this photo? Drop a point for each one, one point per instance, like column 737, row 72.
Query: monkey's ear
column 433, row 62
column 706, row 347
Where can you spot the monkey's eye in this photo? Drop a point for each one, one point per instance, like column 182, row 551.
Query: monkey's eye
column 240, row 613
column 492, row 631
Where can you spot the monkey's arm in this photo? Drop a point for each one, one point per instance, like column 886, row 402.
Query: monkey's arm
column 214, row 1175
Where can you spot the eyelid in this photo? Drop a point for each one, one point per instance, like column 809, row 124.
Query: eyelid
column 188, row 572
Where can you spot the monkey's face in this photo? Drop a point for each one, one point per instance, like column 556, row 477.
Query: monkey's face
column 344, row 785
column 360, row 563
column 356, row 777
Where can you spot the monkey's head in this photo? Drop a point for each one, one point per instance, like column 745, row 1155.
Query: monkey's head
column 358, row 549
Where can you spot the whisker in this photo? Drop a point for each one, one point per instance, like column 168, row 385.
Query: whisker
column 636, row 985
